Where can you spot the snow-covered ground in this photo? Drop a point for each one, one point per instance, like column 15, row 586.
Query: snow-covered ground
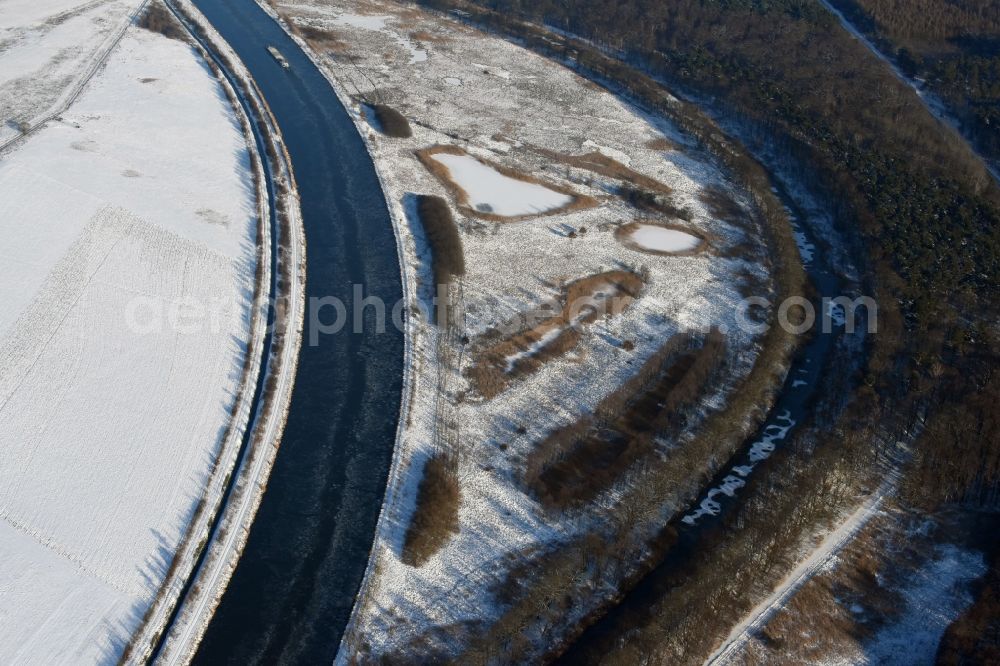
column 126, row 275
column 509, row 107
column 48, row 49
column 936, row 594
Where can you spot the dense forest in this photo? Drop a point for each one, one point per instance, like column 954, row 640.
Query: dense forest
column 918, row 207
column 953, row 45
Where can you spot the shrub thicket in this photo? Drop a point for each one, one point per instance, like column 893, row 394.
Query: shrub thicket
column 577, row 462
column 435, row 518
column 158, row 18
column 392, row 122
column 447, row 255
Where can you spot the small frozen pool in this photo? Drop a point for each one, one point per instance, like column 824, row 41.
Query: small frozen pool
column 654, row 238
column 489, row 191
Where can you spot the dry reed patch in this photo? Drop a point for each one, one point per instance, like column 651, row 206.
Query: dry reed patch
column 661, row 144
column 447, row 253
column 435, row 517
column 442, row 173
column 369, row 8
column 318, row 38
column 623, row 235
column 404, row 16
column 610, row 293
column 429, row 37
column 498, row 363
column 608, row 167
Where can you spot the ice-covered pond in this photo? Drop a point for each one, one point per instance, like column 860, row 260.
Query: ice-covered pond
column 378, row 24
column 490, row 191
column 656, row 238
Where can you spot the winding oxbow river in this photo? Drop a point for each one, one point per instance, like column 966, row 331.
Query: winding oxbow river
column 801, row 390
column 291, row 595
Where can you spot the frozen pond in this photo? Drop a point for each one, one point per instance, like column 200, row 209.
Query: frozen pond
column 654, row 238
column 490, row 191
column 378, row 24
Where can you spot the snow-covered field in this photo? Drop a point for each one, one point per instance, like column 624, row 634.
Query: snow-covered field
column 126, row 275
column 47, row 50
column 506, row 106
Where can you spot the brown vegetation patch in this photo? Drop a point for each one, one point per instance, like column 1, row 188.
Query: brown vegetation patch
column 623, row 235
column 722, row 206
column 391, row 122
column 318, row 38
column 662, row 143
column 608, row 167
column 403, row 16
column 650, row 202
column 158, row 18
column 443, row 174
column 448, row 257
column 498, row 363
column 435, row 518
column 447, row 253
column 579, row 461
column 429, row 37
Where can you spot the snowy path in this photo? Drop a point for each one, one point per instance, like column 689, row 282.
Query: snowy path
column 930, row 101
column 73, row 92
column 834, row 542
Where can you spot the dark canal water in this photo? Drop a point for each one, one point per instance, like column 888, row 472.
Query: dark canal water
column 291, row 595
